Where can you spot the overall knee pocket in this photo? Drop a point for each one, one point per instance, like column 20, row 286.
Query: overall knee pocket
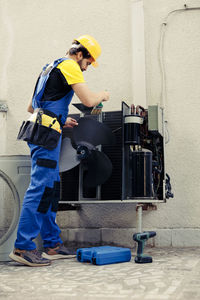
column 50, row 196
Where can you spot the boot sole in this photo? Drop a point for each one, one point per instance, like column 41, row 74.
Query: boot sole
column 57, row 256
column 23, row 261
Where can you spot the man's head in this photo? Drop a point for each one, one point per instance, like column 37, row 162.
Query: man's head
column 81, row 55
column 85, row 50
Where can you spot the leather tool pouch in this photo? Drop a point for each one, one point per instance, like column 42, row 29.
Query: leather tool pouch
column 34, row 132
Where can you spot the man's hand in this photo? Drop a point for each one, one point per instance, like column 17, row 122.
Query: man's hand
column 70, row 123
column 106, row 96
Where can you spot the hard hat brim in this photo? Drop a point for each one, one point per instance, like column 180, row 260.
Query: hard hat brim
column 95, row 64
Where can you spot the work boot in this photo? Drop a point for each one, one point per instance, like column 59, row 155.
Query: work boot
column 30, row 258
column 58, row 252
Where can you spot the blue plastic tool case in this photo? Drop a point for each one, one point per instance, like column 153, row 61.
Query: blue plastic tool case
column 104, row 255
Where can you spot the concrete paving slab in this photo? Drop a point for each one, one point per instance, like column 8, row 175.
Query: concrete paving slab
column 173, row 275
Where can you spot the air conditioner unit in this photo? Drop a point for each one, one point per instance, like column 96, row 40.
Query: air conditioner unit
column 137, row 156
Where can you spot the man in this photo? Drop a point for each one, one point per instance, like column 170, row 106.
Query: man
column 49, row 107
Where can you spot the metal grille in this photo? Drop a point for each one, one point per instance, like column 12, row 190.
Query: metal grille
column 112, row 189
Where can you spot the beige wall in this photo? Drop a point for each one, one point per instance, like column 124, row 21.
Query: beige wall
column 35, row 32
column 175, row 82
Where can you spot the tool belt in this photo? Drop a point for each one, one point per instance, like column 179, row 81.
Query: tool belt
column 43, row 128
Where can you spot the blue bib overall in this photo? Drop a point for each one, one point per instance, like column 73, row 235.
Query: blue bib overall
column 41, row 199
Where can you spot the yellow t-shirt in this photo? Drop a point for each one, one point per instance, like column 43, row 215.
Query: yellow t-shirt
column 71, row 71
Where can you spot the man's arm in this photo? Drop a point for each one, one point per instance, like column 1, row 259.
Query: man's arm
column 30, row 108
column 87, row 97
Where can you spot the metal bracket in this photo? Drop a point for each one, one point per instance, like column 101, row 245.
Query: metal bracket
column 3, row 106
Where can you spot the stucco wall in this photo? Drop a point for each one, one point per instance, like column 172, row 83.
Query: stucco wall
column 174, row 81
column 35, row 32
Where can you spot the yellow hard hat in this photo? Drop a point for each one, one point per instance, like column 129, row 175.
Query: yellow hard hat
column 91, row 45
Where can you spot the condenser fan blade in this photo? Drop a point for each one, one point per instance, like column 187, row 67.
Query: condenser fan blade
column 99, row 169
column 68, row 156
column 92, row 132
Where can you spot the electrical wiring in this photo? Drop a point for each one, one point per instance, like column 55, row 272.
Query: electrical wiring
column 161, row 48
column 163, row 95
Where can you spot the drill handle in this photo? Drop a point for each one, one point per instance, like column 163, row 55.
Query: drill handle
column 140, row 247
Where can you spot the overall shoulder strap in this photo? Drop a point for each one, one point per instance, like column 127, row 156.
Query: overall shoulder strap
column 39, row 89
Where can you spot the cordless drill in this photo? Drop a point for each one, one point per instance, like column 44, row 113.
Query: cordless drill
column 141, row 238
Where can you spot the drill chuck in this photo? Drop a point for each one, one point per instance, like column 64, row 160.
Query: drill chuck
column 143, row 235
